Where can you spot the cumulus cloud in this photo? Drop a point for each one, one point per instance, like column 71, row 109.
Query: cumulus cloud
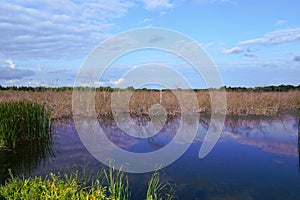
column 297, row 58
column 234, row 50
column 11, row 63
column 118, row 82
column 157, row 4
column 7, row 73
column 56, row 29
column 276, row 37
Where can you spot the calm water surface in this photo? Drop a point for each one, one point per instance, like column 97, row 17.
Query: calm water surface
column 255, row 158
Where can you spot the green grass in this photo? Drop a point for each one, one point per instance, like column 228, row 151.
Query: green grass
column 53, row 186
column 158, row 190
column 23, row 121
column 118, row 185
column 108, row 185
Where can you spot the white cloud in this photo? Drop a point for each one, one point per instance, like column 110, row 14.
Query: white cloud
column 11, row 63
column 118, row 82
column 234, row 50
column 11, row 82
column 276, row 37
column 208, row 44
column 157, row 4
column 281, row 22
column 98, row 83
column 162, row 13
column 144, row 21
column 56, row 29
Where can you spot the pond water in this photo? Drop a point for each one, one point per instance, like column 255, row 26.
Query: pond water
column 255, row 158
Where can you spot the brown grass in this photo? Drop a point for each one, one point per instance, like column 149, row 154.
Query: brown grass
column 238, row 103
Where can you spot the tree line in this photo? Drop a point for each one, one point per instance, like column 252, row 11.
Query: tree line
column 272, row 88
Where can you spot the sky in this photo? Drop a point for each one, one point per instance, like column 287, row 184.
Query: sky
column 252, row 43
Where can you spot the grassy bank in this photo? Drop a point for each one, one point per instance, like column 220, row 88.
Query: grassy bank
column 107, row 185
column 23, row 121
column 238, row 103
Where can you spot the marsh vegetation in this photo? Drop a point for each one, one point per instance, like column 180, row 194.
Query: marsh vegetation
column 25, row 135
column 23, row 121
column 238, row 103
column 106, row 184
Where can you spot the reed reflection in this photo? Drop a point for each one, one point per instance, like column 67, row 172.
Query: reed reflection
column 25, row 157
column 299, row 140
column 275, row 135
column 123, row 140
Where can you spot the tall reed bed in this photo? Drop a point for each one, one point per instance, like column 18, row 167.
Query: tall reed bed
column 23, row 121
column 238, row 103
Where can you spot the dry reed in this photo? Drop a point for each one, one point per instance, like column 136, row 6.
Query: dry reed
column 238, row 103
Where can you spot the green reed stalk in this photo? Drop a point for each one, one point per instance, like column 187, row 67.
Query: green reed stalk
column 158, row 190
column 22, row 121
column 117, row 184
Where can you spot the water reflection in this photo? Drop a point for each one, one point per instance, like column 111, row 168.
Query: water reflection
column 279, row 135
column 103, row 140
column 123, row 140
column 253, row 157
column 299, row 140
column 25, row 158
column 274, row 135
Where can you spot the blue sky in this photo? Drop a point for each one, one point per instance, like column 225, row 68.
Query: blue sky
column 252, row 43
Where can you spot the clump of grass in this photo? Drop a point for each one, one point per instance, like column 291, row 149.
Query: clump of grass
column 158, row 190
column 108, row 185
column 117, row 183
column 23, row 121
column 53, row 186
